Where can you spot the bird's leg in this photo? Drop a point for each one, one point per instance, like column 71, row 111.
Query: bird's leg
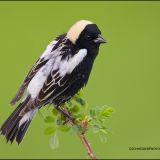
column 67, row 119
column 65, row 113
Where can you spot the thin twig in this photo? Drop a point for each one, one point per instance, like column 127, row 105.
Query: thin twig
column 87, row 146
column 81, row 136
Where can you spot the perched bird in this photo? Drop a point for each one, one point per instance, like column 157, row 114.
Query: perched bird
column 61, row 71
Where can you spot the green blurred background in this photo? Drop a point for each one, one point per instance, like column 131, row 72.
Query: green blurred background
column 126, row 74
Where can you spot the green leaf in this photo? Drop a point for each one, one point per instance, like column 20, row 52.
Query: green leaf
column 92, row 113
column 69, row 103
column 54, row 141
column 95, row 129
column 80, row 100
column 107, row 111
column 50, row 130
column 91, row 119
column 97, row 125
column 74, row 109
column 80, row 93
column 60, row 119
column 103, row 131
column 103, row 137
column 80, row 116
column 54, row 112
column 64, row 128
column 49, row 119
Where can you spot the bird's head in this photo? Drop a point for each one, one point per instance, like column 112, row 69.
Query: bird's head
column 85, row 34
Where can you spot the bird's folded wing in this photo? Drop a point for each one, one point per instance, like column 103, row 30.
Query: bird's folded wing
column 36, row 67
column 54, row 86
column 57, row 81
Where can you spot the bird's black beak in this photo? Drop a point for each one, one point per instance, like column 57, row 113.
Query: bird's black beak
column 99, row 39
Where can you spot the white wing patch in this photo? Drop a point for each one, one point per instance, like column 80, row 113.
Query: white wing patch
column 38, row 80
column 68, row 66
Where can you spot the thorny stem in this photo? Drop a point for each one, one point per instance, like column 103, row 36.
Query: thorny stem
column 85, row 142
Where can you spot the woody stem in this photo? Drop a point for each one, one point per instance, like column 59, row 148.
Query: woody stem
column 82, row 137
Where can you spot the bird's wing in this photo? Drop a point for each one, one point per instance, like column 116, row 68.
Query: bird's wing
column 57, row 81
column 36, row 67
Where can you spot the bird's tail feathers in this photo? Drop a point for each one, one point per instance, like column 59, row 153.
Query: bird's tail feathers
column 15, row 127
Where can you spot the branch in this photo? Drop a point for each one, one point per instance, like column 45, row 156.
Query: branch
column 87, row 146
column 81, row 135
column 86, row 119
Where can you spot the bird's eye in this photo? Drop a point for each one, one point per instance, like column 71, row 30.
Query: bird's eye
column 89, row 37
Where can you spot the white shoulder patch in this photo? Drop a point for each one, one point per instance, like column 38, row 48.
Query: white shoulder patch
column 68, row 66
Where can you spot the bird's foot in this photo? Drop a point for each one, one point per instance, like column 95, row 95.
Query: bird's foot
column 66, row 113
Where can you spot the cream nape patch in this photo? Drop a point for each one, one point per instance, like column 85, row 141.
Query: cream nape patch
column 76, row 30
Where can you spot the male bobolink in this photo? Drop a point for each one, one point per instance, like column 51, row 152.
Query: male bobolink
column 61, row 71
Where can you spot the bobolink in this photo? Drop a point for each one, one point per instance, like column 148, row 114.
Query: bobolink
column 61, row 71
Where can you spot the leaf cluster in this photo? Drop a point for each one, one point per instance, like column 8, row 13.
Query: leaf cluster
column 87, row 119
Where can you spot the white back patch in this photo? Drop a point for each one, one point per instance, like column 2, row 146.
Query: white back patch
column 76, row 30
